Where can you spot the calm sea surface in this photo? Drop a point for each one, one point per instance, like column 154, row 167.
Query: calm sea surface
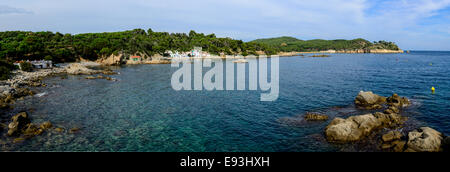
column 141, row 112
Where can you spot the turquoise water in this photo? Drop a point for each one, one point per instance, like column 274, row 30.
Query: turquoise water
column 141, row 112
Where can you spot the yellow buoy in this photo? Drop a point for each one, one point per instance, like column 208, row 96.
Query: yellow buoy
column 433, row 89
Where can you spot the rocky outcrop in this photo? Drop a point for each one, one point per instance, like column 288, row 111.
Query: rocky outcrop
column 369, row 100
column 356, row 127
column 309, row 116
column 397, row 101
column 424, row 139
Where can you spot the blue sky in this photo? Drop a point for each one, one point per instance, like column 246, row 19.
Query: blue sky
column 413, row 24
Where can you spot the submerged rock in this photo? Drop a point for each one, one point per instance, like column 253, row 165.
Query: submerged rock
column 369, row 100
column 46, row 125
column 101, row 77
column 425, row 139
column 32, row 130
column 315, row 117
column 19, row 122
column 59, row 130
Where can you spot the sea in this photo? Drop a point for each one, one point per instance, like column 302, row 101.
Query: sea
column 142, row 111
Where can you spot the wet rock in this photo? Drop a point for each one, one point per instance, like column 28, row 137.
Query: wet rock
column 391, row 135
column 397, row 101
column 19, row 122
column 369, row 100
column 315, row 117
column 391, row 109
column 424, row 140
column 46, row 125
column 399, row 145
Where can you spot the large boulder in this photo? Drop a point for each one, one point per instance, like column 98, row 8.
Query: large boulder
column 19, row 122
column 425, row 139
column 352, row 128
column 342, row 130
column 369, row 100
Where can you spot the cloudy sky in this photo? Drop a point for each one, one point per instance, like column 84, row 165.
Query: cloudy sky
column 413, row 24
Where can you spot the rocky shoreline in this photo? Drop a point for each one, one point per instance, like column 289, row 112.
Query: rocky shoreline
column 359, row 127
column 20, row 127
column 371, row 123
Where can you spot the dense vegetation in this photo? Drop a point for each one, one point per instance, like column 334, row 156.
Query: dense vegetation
column 5, row 69
column 18, row 45
column 288, row 44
